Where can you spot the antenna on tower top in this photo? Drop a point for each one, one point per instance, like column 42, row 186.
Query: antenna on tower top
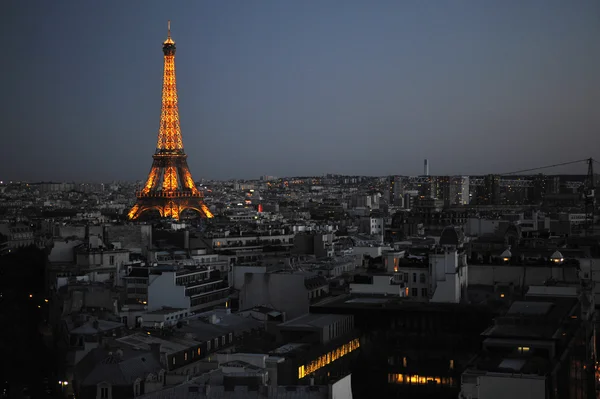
column 169, row 29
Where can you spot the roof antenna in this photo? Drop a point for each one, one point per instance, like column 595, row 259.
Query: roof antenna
column 169, row 29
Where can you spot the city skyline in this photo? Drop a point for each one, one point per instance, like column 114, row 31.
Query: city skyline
column 302, row 89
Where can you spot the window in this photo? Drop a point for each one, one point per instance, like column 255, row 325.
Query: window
column 523, row 349
column 208, row 345
column 422, row 278
column 406, row 277
column 414, row 277
column 223, row 340
column 103, row 392
column 216, row 343
column 230, row 337
column 424, row 292
column 415, row 292
column 185, row 356
column 111, row 260
column 198, row 351
column 173, row 359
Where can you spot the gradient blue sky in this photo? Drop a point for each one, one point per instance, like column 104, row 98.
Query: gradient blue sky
column 300, row 87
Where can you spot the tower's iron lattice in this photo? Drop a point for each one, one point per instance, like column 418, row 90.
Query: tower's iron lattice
column 169, row 188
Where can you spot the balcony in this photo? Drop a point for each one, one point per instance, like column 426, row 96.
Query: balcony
column 206, row 289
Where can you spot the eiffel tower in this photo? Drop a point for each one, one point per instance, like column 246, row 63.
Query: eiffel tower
column 169, row 188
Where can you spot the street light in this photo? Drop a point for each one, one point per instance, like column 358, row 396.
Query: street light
column 63, row 384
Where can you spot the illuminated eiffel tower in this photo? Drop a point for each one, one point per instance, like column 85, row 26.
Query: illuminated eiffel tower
column 169, row 188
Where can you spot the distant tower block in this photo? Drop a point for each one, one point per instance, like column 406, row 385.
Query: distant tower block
column 169, row 188
column 426, row 167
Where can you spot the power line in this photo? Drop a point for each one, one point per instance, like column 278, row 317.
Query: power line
column 544, row 167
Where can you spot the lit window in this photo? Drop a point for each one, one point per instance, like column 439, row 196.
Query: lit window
column 404, row 362
column 198, row 351
column 185, row 356
column 523, row 349
column 451, row 364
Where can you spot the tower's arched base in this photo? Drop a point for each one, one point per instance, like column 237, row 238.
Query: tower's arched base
column 169, row 207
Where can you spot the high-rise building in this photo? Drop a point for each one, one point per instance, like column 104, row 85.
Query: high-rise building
column 543, row 185
column 396, row 190
column 453, row 190
column 169, row 188
column 490, row 194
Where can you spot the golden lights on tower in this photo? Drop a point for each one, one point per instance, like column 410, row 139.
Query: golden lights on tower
column 169, row 187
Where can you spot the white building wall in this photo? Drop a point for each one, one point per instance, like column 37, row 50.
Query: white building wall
column 373, row 252
column 162, row 291
column 518, row 275
column 238, row 274
column 285, row 292
column 376, row 226
column 445, row 277
column 103, row 258
column 342, row 389
column 63, row 251
column 511, row 386
column 381, row 285
column 476, row 227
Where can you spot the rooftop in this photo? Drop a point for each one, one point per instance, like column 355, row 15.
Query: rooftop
column 120, row 369
column 354, row 301
column 533, row 317
column 169, row 346
column 312, row 320
column 165, row 310
column 91, row 327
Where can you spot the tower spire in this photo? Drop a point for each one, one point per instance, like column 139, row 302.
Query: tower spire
column 169, row 39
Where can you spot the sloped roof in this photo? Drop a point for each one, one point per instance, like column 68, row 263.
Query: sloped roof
column 103, row 365
column 90, row 329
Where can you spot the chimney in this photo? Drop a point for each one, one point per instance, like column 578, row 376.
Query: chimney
column 155, row 349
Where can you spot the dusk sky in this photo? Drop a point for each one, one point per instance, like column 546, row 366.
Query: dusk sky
column 302, row 87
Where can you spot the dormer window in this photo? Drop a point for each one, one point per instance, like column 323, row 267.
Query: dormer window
column 103, row 391
column 137, row 385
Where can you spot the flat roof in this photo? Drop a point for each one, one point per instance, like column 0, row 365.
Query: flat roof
column 170, row 346
column 357, row 301
column 287, row 348
column 534, row 317
column 312, row 320
column 165, row 310
column 530, row 308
